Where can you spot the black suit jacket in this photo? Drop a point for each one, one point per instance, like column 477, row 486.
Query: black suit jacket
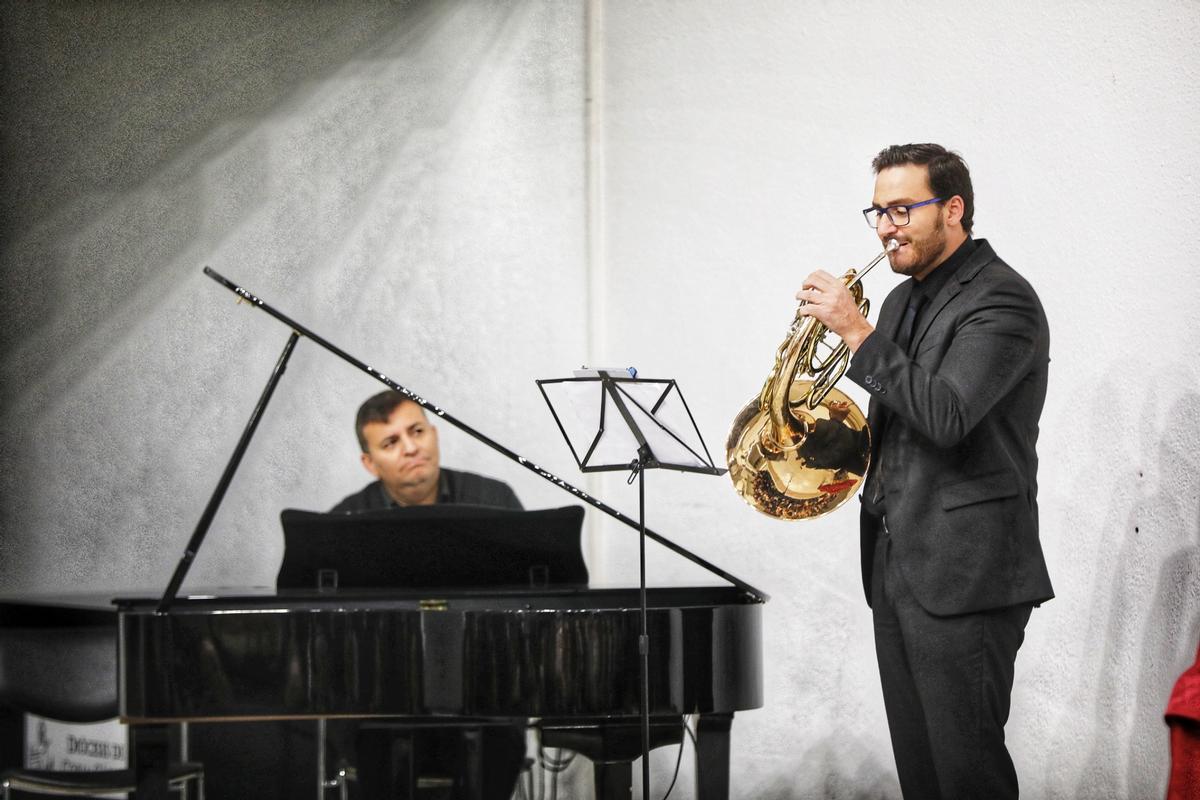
column 961, row 466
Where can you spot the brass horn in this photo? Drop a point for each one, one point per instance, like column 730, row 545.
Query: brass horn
column 802, row 447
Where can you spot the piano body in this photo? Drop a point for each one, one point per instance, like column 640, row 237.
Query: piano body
column 567, row 659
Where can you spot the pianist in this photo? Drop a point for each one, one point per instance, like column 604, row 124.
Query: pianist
column 400, row 449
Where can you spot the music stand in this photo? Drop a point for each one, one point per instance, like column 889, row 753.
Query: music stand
column 657, row 428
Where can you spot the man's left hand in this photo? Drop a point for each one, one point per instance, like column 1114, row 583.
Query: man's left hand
column 828, row 300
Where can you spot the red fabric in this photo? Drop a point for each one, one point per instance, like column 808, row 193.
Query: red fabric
column 1183, row 715
column 1185, row 698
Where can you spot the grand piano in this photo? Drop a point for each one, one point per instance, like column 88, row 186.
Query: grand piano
column 566, row 659
column 608, row 672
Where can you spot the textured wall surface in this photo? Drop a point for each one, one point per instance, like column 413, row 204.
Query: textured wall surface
column 410, row 181
column 737, row 149
column 407, row 180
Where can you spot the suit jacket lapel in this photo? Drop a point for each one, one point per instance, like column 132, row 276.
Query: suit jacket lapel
column 983, row 255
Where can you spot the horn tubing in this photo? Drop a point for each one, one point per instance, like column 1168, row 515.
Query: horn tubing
column 767, row 430
column 465, row 428
column 862, row 273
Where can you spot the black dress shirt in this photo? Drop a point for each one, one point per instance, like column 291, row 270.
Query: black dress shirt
column 453, row 487
column 926, row 290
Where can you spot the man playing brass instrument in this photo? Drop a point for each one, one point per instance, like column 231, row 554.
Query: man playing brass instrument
column 951, row 561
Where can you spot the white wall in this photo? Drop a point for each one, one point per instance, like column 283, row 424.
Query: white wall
column 407, row 182
column 410, row 181
column 737, row 142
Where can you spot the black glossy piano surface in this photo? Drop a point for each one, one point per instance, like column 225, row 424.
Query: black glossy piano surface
column 519, row 653
column 567, row 658
column 244, row 653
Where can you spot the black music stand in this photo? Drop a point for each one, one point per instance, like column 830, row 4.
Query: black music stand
column 656, row 427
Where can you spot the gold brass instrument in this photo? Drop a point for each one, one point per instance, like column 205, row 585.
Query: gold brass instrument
column 801, row 448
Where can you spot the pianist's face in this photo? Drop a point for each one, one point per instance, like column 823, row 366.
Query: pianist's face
column 403, row 453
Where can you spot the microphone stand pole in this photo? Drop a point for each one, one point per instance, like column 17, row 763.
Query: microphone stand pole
column 644, row 640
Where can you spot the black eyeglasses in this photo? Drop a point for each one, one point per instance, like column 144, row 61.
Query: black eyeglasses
column 897, row 214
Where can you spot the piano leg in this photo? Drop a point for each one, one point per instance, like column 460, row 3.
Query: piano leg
column 613, row 780
column 473, row 764
column 150, row 755
column 712, row 756
column 321, row 758
column 612, row 747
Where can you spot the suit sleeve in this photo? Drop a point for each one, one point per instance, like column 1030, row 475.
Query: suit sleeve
column 988, row 350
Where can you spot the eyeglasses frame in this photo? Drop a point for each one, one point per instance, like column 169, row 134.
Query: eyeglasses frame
column 888, row 210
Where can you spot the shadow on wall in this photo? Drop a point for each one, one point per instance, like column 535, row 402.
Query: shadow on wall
column 135, row 134
column 1153, row 617
column 99, row 101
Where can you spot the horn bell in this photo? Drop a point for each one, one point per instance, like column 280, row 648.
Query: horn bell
column 808, row 469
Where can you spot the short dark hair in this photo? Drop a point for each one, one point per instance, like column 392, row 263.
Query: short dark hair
column 948, row 173
column 379, row 408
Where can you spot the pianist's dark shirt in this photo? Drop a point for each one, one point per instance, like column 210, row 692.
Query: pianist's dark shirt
column 453, row 487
